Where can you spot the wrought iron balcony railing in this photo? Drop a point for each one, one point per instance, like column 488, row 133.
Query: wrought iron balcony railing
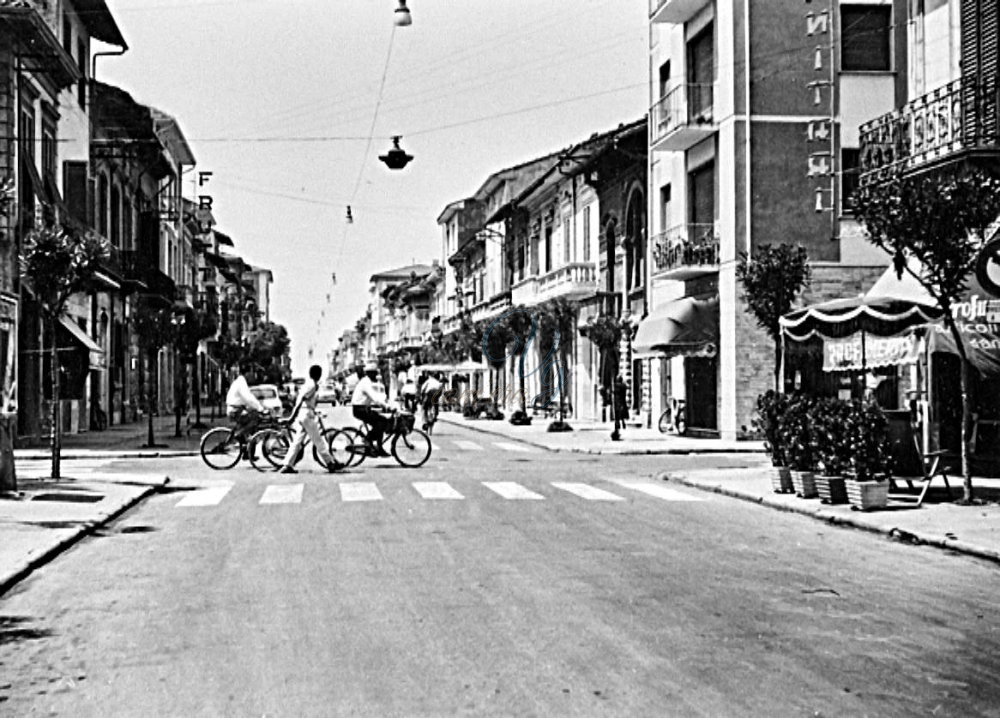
column 951, row 121
column 686, row 251
column 682, row 117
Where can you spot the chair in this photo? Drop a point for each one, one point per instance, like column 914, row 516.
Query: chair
column 932, row 465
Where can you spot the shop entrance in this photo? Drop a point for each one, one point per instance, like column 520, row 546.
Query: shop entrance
column 701, row 378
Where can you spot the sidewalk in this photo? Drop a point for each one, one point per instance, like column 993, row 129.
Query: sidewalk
column 128, row 441
column 46, row 517
column 595, row 438
column 972, row 530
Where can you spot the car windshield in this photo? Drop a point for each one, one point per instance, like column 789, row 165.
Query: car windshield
column 263, row 392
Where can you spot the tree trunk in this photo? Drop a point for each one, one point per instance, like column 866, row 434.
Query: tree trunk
column 778, row 356
column 966, row 407
column 150, row 396
column 179, row 390
column 55, row 430
column 196, row 393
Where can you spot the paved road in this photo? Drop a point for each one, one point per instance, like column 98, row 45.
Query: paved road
column 496, row 581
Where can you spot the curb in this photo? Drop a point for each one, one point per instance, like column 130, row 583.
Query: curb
column 74, row 454
column 13, row 578
column 820, row 514
column 602, row 452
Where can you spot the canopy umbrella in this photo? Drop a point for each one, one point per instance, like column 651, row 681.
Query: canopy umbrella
column 883, row 316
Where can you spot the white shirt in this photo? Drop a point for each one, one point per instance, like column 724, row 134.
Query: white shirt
column 366, row 393
column 431, row 385
column 308, row 395
column 239, row 396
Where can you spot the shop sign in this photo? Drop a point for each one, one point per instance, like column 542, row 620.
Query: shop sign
column 846, row 354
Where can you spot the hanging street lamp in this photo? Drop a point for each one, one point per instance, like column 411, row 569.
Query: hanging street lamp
column 396, row 158
column 402, row 16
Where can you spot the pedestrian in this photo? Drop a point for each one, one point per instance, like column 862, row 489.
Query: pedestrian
column 620, row 397
column 305, row 411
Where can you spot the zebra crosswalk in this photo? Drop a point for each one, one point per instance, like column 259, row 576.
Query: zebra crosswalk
column 368, row 491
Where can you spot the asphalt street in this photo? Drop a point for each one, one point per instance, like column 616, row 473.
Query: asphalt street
column 496, row 580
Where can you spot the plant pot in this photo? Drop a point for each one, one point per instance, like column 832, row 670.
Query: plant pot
column 831, row 489
column 804, row 484
column 781, row 480
column 867, row 495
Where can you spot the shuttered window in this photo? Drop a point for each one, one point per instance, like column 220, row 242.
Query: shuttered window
column 865, row 42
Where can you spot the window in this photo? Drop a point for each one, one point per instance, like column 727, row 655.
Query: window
column 586, row 233
column 67, row 34
column 865, row 38
column 81, row 64
column 48, row 151
column 665, row 207
column 116, row 206
column 26, row 132
column 548, row 249
column 102, row 205
column 567, row 241
column 664, row 78
column 850, row 169
column 701, row 74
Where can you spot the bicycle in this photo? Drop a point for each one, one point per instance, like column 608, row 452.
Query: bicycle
column 673, row 420
column 410, row 447
column 273, row 443
column 430, row 417
column 223, row 446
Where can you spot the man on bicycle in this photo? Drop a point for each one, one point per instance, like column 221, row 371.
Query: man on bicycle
column 430, row 394
column 365, row 403
column 241, row 405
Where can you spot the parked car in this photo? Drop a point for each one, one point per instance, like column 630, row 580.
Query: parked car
column 328, row 395
column 267, row 394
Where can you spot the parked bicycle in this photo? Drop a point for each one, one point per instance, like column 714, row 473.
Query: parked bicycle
column 410, row 447
column 269, row 446
column 223, row 446
column 673, row 420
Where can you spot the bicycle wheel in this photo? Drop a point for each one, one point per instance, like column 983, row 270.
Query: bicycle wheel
column 259, row 449
column 328, row 435
column 411, row 449
column 220, row 448
column 347, row 446
column 664, row 423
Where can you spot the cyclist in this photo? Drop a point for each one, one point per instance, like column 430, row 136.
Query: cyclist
column 241, row 405
column 430, row 394
column 365, row 403
column 306, row 404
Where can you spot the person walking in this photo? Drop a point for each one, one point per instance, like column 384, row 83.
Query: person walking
column 305, row 411
column 619, row 397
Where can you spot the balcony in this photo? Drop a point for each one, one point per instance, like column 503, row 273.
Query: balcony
column 955, row 122
column 675, row 11
column 682, row 117
column 572, row 281
column 686, row 252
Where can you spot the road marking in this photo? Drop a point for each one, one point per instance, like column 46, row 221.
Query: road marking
column 586, row 491
column 467, row 445
column 511, row 490
column 436, row 490
column 507, row 446
column 205, row 497
column 282, row 494
column 359, row 491
column 658, row 490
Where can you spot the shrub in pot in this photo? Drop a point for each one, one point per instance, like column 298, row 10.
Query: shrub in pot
column 771, row 406
column 868, row 438
column 796, row 432
column 831, row 446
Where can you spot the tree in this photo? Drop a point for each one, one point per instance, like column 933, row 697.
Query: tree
column 265, row 348
column 155, row 328
column 58, row 264
column 772, row 279
column 940, row 221
column 557, row 320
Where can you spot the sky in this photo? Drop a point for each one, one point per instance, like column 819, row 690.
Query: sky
column 289, row 103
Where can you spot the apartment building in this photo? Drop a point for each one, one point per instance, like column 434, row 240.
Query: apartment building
column 753, row 139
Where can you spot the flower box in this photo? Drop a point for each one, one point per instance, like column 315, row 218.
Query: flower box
column 867, row 495
column 831, row 489
column 781, row 480
column 804, row 483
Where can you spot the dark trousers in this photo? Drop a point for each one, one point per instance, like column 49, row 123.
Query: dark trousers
column 378, row 422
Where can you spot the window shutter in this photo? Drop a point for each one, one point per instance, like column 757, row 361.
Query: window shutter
column 75, row 187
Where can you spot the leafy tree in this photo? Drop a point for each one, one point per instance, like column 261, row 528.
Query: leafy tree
column 58, row 264
column 772, row 278
column 155, row 328
column 557, row 320
column 940, row 221
column 265, row 348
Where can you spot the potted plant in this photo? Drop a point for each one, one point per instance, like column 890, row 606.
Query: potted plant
column 829, row 422
column 868, row 439
column 771, row 406
column 796, row 432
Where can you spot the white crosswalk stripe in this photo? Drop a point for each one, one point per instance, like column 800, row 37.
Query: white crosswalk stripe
column 205, row 497
column 467, row 445
column 282, row 494
column 511, row 490
column 359, row 491
column 39, row 468
column 586, row 491
column 436, row 490
column 508, row 446
column 653, row 489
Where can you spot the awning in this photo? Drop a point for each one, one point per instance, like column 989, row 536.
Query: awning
column 463, row 368
column 865, row 351
column 683, row 327
column 85, row 342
